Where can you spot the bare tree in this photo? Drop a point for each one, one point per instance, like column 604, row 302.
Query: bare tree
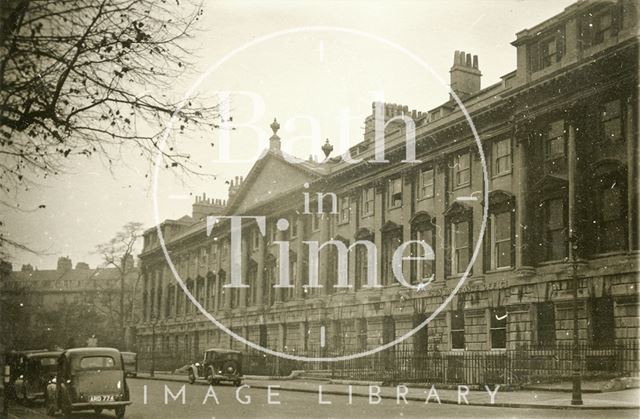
column 16, row 306
column 90, row 77
column 118, row 253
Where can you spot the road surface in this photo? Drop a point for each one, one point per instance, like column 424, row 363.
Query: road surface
column 246, row 402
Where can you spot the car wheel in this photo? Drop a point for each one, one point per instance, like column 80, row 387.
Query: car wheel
column 97, row 410
column 237, row 383
column 192, row 378
column 50, row 406
column 120, row 412
column 210, row 375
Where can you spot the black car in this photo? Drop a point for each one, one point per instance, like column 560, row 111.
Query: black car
column 36, row 371
column 130, row 360
column 88, row 379
column 218, row 365
column 16, row 360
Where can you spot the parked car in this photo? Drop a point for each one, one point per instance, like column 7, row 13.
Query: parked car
column 36, row 370
column 16, row 361
column 130, row 360
column 88, row 378
column 218, row 365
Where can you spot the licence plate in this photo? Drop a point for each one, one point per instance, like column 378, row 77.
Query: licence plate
column 101, row 398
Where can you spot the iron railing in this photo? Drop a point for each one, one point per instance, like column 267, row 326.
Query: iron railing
column 402, row 364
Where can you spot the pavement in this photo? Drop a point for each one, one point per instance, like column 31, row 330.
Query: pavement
column 597, row 394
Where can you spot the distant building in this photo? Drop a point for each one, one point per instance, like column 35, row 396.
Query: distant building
column 35, row 296
column 560, row 137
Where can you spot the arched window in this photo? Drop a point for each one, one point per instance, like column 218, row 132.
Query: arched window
column 423, row 227
column 222, row 276
column 609, row 218
column 252, row 291
column 179, row 301
column 169, row 302
column 288, row 293
column 200, row 289
column 188, row 306
column 551, row 215
column 391, row 239
column 268, row 292
column 211, row 283
column 362, row 256
column 334, row 265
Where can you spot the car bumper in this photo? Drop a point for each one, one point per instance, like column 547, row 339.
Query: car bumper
column 102, row 405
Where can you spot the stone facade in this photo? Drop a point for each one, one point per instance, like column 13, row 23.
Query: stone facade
column 560, row 138
column 37, row 299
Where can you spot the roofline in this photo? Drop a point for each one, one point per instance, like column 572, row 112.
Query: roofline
column 567, row 13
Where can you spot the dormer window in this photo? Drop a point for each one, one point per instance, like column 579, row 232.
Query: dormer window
column 548, row 50
column 599, row 25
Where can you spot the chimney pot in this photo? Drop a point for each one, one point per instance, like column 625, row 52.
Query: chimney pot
column 465, row 74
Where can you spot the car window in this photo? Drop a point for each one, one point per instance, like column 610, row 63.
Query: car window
column 47, row 362
column 96, row 362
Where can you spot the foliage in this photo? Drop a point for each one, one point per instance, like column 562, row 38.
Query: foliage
column 117, row 301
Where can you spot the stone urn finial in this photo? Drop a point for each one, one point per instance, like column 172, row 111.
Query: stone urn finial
column 327, row 148
column 275, row 126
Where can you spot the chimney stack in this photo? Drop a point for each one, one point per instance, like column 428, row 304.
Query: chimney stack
column 204, row 206
column 465, row 74
column 64, row 264
column 82, row 266
column 234, row 186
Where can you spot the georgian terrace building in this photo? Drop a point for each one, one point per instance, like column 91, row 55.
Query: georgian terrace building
column 560, row 136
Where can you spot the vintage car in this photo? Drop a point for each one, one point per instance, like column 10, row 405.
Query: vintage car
column 130, row 360
column 15, row 360
column 88, row 379
column 218, row 365
column 36, row 370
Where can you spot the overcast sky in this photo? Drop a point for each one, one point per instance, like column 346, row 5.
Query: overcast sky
column 306, row 78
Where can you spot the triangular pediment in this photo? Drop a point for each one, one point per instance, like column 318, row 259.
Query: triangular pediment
column 550, row 183
column 270, row 178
